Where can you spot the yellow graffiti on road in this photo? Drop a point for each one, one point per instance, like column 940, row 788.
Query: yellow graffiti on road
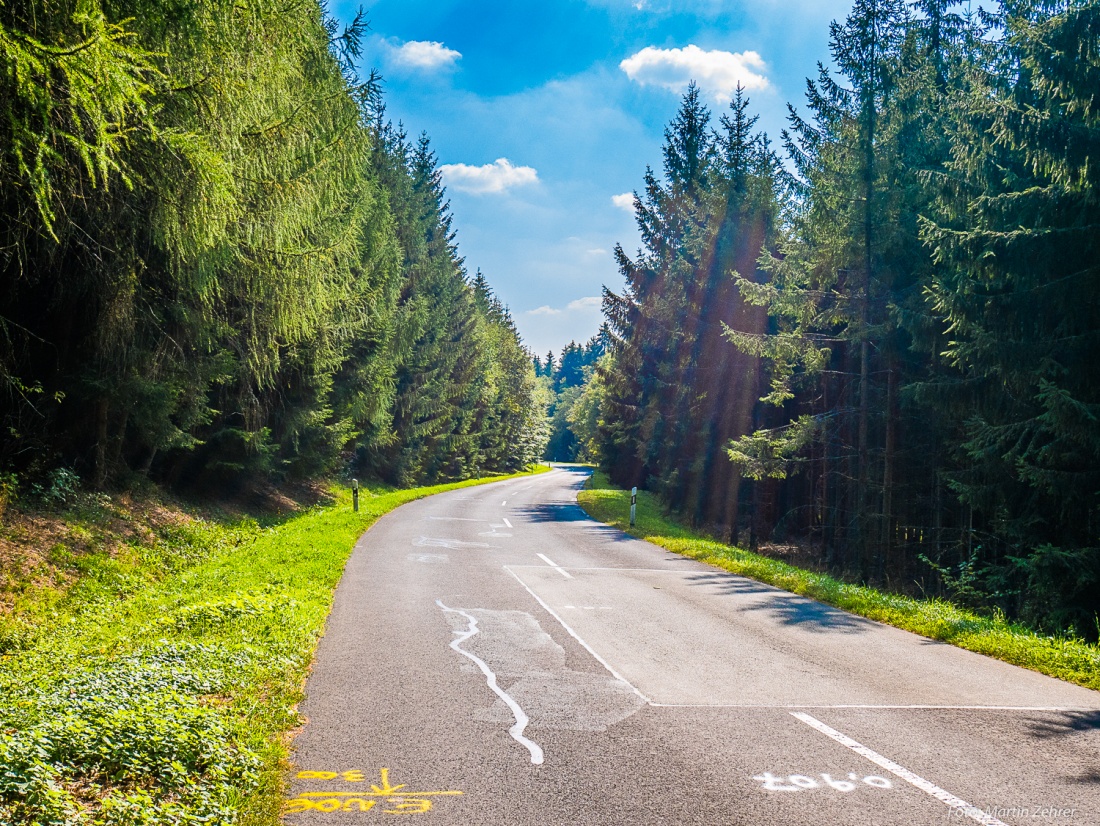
column 398, row 801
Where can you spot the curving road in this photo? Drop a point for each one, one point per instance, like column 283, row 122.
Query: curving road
column 495, row 657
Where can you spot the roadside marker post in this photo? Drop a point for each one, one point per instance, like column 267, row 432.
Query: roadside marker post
column 633, row 505
column 355, row 495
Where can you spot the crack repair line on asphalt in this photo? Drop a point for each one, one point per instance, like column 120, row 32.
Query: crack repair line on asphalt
column 521, row 717
column 959, row 805
column 555, row 566
column 578, row 638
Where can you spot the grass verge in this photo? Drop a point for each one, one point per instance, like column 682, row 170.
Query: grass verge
column 160, row 687
column 1066, row 659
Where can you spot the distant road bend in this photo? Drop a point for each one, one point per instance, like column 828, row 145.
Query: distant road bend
column 496, row 657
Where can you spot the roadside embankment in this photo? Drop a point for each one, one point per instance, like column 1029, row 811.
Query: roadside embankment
column 150, row 674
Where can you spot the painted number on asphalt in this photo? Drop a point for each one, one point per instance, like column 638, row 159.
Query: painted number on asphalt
column 393, row 798
column 803, row 782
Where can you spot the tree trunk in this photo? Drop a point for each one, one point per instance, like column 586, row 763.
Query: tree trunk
column 887, row 540
column 101, row 416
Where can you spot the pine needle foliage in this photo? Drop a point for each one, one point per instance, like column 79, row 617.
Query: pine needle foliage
column 922, row 308
column 218, row 263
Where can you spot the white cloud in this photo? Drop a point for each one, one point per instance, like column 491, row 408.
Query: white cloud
column 597, row 252
column 624, row 201
column 424, row 54
column 587, row 304
column 492, row 178
column 591, row 302
column 716, row 72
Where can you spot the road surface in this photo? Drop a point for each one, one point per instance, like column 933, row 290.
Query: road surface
column 495, row 657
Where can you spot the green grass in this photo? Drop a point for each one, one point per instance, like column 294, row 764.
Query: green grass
column 159, row 689
column 1067, row 659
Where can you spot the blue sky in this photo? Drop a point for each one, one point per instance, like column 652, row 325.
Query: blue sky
column 542, row 112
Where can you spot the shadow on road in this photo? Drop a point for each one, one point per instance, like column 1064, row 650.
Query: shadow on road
column 1063, row 723
column 568, row 512
column 554, row 512
column 786, row 608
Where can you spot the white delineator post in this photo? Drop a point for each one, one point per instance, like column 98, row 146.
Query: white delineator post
column 633, row 505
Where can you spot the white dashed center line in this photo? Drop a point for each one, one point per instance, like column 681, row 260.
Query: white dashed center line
column 555, row 566
column 961, row 806
column 506, row 522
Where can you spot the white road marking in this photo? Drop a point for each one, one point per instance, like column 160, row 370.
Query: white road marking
column 521, row 717
column 453, row 544
column 959, row 805
column 428, row 558
column 507, row 523
column 555, row 566
column 639, row 571
column 505, row 502
column 578, row 638
column 591, row 608
column 871, row 706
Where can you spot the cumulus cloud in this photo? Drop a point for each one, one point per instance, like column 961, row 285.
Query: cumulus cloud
column 424, row 54
column 490, row 179
column 716, row 72
column 590, row 302
column 624, row 201
column 587, row 304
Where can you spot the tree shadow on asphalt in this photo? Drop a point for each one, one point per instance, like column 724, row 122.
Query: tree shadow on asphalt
column 555, row 512
column 566, row 512
column 1091, row 778
column 1063, row 723
column 784, row 607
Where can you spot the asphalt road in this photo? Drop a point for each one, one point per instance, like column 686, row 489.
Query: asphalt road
column 495, row 657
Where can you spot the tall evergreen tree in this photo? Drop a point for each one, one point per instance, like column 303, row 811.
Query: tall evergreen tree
column 674, row 387
column 1017, row 282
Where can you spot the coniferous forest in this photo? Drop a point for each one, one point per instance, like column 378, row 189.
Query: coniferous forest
column 219, row 260
column 878, row 340
column 872, row 337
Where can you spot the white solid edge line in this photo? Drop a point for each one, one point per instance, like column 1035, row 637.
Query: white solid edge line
column 642, row 570
column 521, row 717
column 555, row 566
column 506, row 522
column 960, row 805
column 578, row 638
column 871, row 706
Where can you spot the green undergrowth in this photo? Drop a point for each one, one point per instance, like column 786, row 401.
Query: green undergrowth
column 1068, row 659
column 159, row 688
